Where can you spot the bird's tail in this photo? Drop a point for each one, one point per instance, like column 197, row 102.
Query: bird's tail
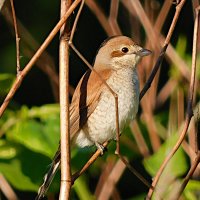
column 49, row 176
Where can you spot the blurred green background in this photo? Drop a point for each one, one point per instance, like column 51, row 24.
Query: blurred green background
column 29, row 128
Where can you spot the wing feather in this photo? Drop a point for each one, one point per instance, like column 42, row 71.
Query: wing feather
column 86, row 98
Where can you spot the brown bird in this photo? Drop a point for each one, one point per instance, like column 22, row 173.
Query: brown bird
column 92, row 110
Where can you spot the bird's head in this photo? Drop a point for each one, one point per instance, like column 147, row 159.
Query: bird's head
column 119, row 52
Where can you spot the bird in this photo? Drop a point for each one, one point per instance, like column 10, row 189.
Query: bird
column 92, row 109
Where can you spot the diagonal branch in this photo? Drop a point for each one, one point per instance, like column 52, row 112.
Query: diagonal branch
column 6, row 189
column 189, row 175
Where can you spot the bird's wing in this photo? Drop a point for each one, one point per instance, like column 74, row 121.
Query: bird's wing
column 86, row 98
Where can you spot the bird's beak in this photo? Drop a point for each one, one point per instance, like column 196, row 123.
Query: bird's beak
column 143, row 52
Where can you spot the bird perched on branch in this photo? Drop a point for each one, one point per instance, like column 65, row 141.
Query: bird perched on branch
column 92, row 110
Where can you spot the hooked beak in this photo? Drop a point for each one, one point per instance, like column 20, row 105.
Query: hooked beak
column 144, row 52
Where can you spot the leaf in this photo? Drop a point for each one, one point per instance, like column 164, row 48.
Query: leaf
column 24, row 171
column 7, row 151
column 193, row 185
column 6, row 81
column 82, row 190
column 168, row 183
column 36, row 136
column 178, row 164
column 138, row 197
column 45, row 111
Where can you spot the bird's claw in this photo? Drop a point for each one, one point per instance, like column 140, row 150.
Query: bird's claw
column 101, row 148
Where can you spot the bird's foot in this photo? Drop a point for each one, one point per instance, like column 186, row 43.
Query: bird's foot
column 101, row 147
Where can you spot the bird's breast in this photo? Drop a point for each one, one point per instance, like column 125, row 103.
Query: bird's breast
column 101, row 124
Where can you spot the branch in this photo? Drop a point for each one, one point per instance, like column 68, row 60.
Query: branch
column 114, row 7
column 89, row 162
column 110, row 180
column 144, row 150
column 65, row 186
column 99, row 14
column 16, row 36
column 188, row 176
column 7, row 189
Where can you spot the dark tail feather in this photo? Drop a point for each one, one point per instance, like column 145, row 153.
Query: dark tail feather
column 49, row 176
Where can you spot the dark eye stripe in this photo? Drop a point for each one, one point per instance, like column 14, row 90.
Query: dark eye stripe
column 117, row 54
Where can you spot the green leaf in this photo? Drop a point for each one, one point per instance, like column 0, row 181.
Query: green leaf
column 7, row 151
column 36, row 136
column 6, row 81
column 193, row 185
column 178, row 163
column 168, row 183
column 82, row 190
column 25, row 170
column 138, row 197
column 45, row 111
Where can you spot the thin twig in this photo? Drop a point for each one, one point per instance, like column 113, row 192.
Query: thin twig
column 162, row 15
column 100, row 16
column 165, row 92
column 195, row 4
column 28, row 67
column 138, row 175
column 89, row 162
column 188, row 114
column 76, row 21
column 144, row 150
column 65, row 187
column 197, row 127
column 188, row 176
column 7, row 189
column 113, row 17
column 154, row 71
column 107, row 168
column 16, row 37
column 110, row 180
column 152, row 33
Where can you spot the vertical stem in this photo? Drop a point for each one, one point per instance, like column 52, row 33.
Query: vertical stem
column 64, row 105
column 16, row 36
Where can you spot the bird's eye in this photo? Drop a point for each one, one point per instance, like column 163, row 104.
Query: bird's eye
column 125, row 50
